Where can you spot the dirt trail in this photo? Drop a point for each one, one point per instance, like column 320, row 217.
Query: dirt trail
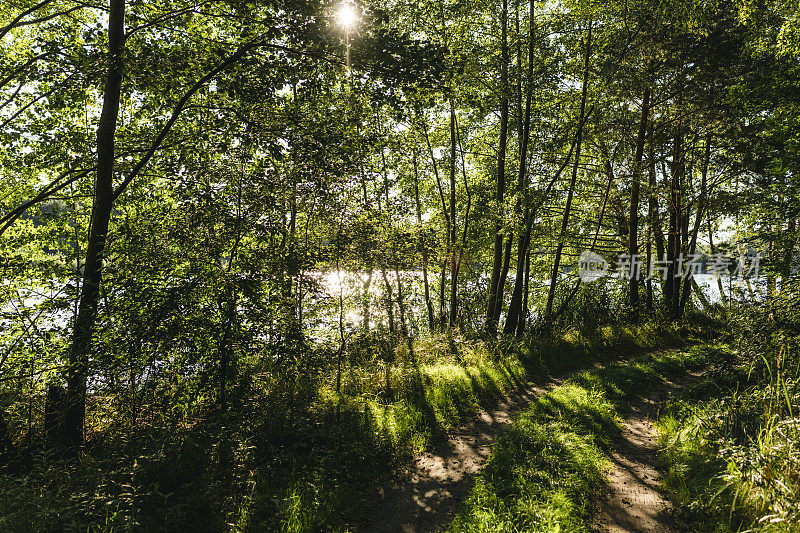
column 634, row 502
column 425, row 497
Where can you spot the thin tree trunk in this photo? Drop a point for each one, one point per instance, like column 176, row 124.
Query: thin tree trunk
column 523, row 314
column 702, row 297
column 388, row 299
column 648, row 261
column 401, row 303
column 633, row 218
column 711, row 247
column 453, row 230
column 85, row 322
column 365, row 301
column 501, row 283
column 6, row 445
column 579, row 138
column 655, row 221
column 447, row 217
column 701, row 205
column 225, row 355
column 491, row 324
column 652, row 213
column 426, row 284
column 342, row 338
column 465, row 228
column 676, row 218
column 515, row 305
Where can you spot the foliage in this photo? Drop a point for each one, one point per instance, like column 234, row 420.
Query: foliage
column 732, row 442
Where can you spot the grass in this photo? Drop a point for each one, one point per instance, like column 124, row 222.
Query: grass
column 546, row 472
column 286, row 459
column 732, row 446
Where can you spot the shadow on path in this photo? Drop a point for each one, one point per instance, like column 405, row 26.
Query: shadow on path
column 634, row 502
column 426, row 495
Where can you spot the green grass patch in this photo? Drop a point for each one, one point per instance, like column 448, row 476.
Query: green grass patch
column 547, row 470
column 731, row 444
column 294, row 457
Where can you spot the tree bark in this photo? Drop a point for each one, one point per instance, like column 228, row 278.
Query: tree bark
column 653, row 222
column 447, row 217
column 491, row 324
column 501, row 283
column 6, row 445
column 523, row 313
column 83, row 332
column 388, row 299
column 426, row 284
column 711, row 247
column 515, row 305
column 453, row 230
column 676, row 216
column 365, row 302
column 701, row 205
column 633, row 218
column 401, row 304
column 465, row 227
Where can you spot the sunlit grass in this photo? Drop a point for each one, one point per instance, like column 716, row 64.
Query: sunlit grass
column 303, row 457
column 731, row 444
column 546, row 473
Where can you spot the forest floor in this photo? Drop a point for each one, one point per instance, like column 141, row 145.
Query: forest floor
column 634, row 501
column 427, row 494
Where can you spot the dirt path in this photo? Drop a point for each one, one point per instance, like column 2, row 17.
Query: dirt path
column 634, row 502
column 425, row 497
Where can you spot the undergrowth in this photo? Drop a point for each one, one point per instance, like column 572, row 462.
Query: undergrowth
column 286, row 457
column 733, row 440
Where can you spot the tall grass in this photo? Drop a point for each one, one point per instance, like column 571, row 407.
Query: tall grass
column 292, row 454
column 733, row 442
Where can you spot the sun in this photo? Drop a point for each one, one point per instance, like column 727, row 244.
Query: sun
column 346, row 15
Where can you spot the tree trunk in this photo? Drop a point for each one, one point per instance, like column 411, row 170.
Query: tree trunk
column 426, row 284
column 388, row 299
column 453, row 266
column 677, row 208
column 501, row 283
column 633, row 218
column 6, row 446
column 701, row 205
column 447, row 217
column 491, row 324
column 523, row 314
column 515, row 305
column 672, row 285
column 401, row 304
column 711, row 247
column 465, row 227
column 579, row 138
column 786, row 261
column 81, row 342
column 365, row 302
column 653, row 220
column 225, row 350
